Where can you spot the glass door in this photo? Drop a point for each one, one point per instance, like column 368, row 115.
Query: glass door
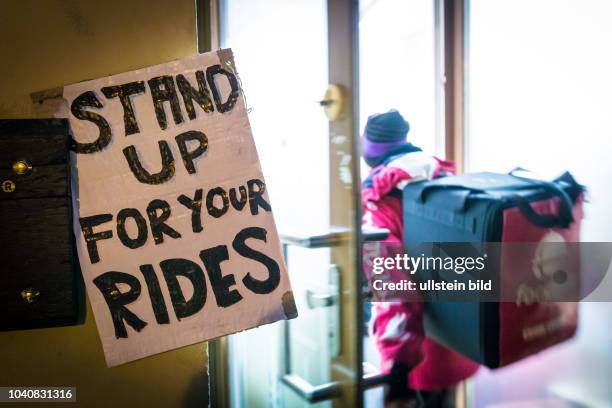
column 288, row 55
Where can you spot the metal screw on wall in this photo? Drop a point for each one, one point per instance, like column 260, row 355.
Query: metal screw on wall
column 22, row 167
column 30, row 295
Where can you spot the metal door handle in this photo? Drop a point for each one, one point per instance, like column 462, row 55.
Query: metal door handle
column 309, row 392
column 315, row 300
column 332, row 237
column 372, row 378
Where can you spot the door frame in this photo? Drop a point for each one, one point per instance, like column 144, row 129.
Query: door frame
column 208, row 36
column 451, row 61
column 345, row 198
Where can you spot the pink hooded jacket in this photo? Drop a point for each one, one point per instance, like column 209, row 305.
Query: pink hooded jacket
column 398, row 326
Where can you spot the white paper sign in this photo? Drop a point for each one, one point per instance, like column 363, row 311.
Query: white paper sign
column 174, row 230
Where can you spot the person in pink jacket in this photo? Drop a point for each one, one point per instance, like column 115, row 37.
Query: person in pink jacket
column 414, row 361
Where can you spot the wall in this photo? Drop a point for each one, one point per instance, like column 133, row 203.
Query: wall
column 50, row 43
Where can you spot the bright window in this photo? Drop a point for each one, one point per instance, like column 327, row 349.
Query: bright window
column 539, row 89
column 397, row 64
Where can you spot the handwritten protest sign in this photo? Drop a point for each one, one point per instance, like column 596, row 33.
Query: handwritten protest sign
column 174, row 229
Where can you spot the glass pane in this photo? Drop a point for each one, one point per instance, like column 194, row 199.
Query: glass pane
column 281, row 54
column 280, row 49
column 397, row 71
column 539, row 97
column 397, row 64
